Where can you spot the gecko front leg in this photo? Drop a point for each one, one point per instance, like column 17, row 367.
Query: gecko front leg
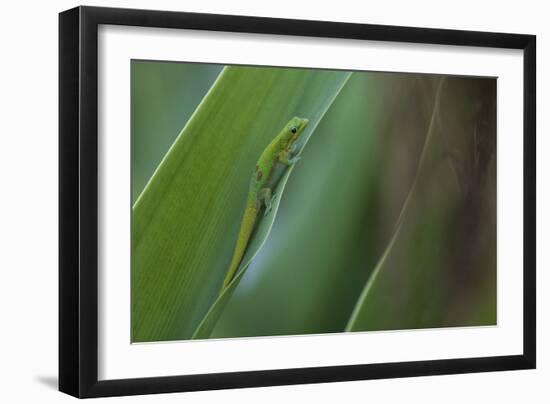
column 288, row 158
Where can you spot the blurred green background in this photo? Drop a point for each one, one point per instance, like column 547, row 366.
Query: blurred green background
column 164, row 95
column 387, row 222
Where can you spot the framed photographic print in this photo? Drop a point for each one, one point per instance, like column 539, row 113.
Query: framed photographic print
column 250, row 201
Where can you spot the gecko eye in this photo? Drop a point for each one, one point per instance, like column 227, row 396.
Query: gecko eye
column 293, row 129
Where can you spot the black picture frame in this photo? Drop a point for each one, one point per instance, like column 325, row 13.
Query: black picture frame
column 78, row 201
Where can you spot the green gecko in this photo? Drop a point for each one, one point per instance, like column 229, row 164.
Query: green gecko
column 279, row 154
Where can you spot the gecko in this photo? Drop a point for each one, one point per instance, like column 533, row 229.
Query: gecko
column 277, row 156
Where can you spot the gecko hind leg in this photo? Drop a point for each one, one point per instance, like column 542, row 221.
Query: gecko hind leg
column 267, row 199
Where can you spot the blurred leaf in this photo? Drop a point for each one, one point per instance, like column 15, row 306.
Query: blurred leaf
column 363, row 301
column 442, row 249
column 185, row 222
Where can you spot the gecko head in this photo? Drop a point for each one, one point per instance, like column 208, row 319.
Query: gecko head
column 295, row 127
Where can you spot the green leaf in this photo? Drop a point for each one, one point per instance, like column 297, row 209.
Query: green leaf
column 185, row 222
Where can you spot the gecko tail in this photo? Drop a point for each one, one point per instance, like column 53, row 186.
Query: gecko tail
column 247, row 225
